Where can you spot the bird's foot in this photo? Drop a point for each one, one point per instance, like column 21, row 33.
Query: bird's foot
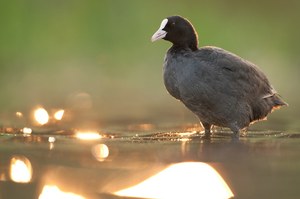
column 207, row 134
column 235, row 136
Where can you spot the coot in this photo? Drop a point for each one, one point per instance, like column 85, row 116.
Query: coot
column 221, row 88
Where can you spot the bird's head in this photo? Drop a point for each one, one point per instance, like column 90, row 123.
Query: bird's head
column 177, row 30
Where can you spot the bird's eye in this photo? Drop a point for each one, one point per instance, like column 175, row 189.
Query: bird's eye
column 171, row 25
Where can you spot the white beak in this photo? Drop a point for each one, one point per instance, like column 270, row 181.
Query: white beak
column 160, row 33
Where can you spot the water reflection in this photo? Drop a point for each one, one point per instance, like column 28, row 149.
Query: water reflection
column 20, row 169
column 88, row 135
column 51, row 141
column 100, row 152
column 51, row 192
column 182, row 180
column 26, row 130
column 41, row 116
column 64, row 165
column 58, row 115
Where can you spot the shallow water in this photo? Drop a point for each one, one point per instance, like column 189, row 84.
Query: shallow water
column 262, row 164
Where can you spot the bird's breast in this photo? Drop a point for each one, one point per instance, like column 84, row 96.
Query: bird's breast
column 170, row 75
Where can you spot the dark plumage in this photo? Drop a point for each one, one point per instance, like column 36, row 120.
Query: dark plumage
column 221, row 88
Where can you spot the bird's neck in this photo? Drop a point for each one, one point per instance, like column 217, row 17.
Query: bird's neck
column 191, row 44
column 182, row 50
column 188, row 47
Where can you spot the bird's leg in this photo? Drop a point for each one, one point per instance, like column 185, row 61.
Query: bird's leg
column 236, row 132
column 207, row 127
column 236, row 135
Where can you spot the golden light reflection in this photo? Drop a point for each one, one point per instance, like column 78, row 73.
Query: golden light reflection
column 58, row 115
column 19, row 114
column 183, row 180
column 20, row 169
column 27, row 130
column 100, row 152
column 51, row 140
column 184, row 139
column 41, row 116
column 51, row 191
column 88, row 135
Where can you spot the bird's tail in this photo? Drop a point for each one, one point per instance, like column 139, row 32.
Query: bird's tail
column 277, row 102
column 269, row 104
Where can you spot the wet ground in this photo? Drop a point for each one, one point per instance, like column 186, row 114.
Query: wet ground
column 71, row 164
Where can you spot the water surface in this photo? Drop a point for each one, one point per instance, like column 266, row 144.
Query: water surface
column 262, row 164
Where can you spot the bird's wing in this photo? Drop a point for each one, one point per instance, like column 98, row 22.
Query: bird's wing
column 233, row 75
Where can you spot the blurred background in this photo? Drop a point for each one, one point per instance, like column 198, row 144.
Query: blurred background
column 95, row 58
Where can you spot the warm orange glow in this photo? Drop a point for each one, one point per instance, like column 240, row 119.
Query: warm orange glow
column 88, row 135
column 27, row 130
column 50, row 192
column 19, row 114
column 191, row 180
column 58, row 115
column 20, row 169
column 184, row 139
column 187, row 134
column 100, row 152
column 51, row 141
column 41, row 116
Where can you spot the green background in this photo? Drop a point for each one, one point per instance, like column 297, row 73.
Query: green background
column 96, row 56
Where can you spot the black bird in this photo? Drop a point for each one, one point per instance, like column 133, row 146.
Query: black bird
column 221, row 88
